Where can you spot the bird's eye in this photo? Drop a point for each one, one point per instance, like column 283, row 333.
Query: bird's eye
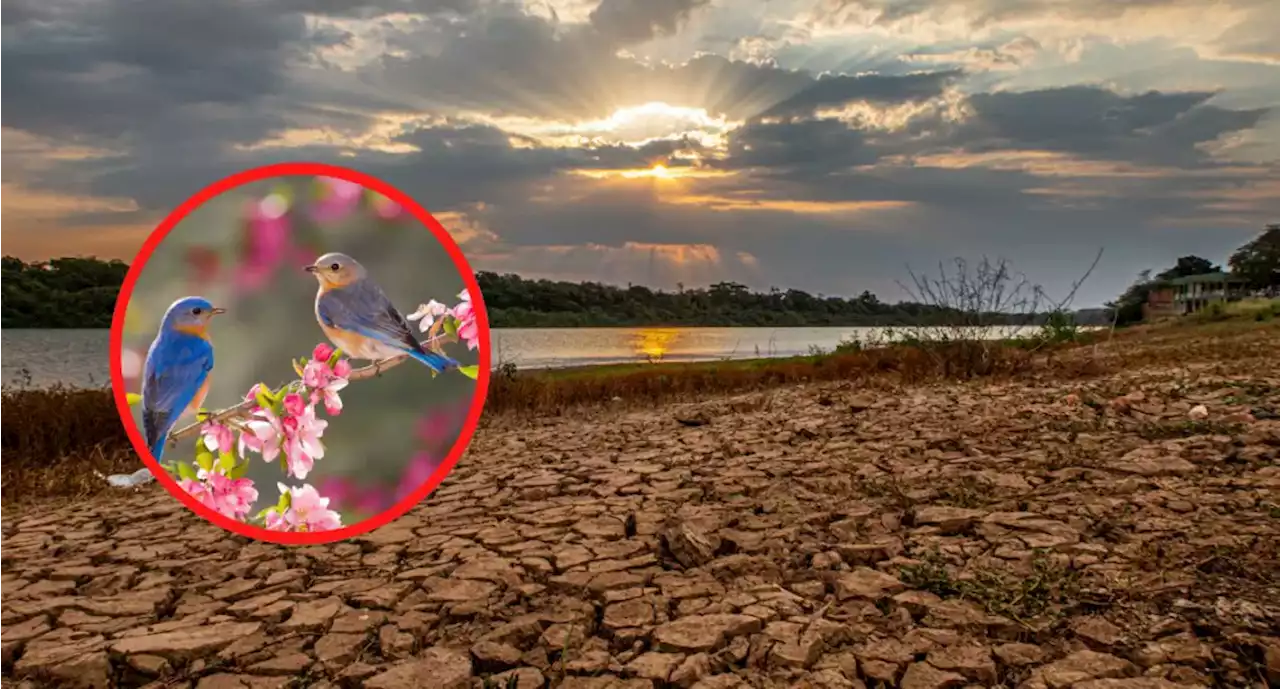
column 334, row 267
column 197, row 310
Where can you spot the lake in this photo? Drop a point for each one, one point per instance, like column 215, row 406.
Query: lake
column 39, row 358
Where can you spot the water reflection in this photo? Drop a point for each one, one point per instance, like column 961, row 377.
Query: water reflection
column 654, row 343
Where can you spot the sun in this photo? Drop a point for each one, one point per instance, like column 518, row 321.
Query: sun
column 660, row 171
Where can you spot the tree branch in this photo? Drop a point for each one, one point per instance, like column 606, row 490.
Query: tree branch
column 242, row 410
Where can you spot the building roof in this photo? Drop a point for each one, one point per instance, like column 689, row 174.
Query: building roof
column 1206, row 277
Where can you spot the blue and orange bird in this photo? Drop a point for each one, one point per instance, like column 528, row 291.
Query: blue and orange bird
column 175, row 377
column 358, row 318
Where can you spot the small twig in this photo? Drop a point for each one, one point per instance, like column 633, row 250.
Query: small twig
column 243, row 409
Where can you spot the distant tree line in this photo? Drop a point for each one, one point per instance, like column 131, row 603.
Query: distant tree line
column 517, row 302
column 61, row 293
column 1257, row 262
column 81, row 293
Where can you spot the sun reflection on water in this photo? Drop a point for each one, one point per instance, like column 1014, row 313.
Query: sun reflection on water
column 654, row 343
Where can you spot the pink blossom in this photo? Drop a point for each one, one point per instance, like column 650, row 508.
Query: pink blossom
column 428, row 313
column 302, row 441
column 371, row 500
column 339, row 198
column 322, row 352
column 293, row 404
column 342, row 369
column 324, row 381
column 420, row 468
column 217, row 437
column 307, row 511
column 466, row 317
column 264, row 436
column 233, row 496
column 266, row 242
column 227, row 496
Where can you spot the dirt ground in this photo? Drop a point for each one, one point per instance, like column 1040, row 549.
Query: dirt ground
column 1094, row 534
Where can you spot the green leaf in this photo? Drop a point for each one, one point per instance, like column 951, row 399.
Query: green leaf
column 262, row 514
column 297, row 366
column 264, row 397
column 227, row 462
column 335, row 357
column 132, row 398
column 239, row 470
column 204, row 459
column 450, row 326
column 286, row 499
column 186, row 471
column 472, row 372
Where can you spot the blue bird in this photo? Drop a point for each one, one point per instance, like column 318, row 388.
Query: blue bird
column 175, row 377
column 357, row 317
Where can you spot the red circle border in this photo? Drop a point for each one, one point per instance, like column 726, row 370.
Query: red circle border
column 295, row 169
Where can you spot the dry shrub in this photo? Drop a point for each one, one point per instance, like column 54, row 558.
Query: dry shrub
column 54, row 440
column 543, row 392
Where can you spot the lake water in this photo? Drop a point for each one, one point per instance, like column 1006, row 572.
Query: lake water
column 40, row 358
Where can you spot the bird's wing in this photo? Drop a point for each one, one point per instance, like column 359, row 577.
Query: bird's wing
column 363, row 308
column 176, row 367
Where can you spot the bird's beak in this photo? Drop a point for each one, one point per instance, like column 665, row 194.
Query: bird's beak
column 311, row 269
column 217, row 311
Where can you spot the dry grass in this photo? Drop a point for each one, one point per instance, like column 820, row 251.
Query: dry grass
column 543, row 392
column 54, row 439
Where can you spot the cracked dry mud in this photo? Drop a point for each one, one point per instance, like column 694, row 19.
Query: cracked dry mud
column 1057, row 535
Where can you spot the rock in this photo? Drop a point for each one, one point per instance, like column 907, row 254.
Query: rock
column 926, row 676
column 1271, row 658
column 1132, row 683
column 338, row 650
column 186, row 644
column 974, row 662
column 697, row 633
column 864, row 582
column 948, row 520
column 689, row 545
column 462, row 590
column 1098, row 631
column 519, row 678
column 880, row 671
column 440, row 667
column 1018, row 655
column 313, row 615
column 491, row 656
column 632, row 613
column 81, row 663
column 800, row 651
column 689, row 672
column 1081, row 666
column 654, row 666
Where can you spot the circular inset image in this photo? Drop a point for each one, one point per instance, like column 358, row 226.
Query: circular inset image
column 300, row 353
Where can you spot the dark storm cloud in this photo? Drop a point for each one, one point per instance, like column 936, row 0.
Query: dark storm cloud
column 802, row 147
column 626, row 22
column 1160, row 128
column 835, row 90
column 115, row 69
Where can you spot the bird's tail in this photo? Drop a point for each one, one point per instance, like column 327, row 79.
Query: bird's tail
column 436, row 361
column 155, row 426
column 157, row 447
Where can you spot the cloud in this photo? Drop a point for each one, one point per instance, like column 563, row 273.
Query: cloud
column 671, row 140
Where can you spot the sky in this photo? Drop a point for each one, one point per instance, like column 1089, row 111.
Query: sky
column 824, row 145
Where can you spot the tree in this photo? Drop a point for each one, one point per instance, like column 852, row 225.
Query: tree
column 1259, row 260
column 1188, row 266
